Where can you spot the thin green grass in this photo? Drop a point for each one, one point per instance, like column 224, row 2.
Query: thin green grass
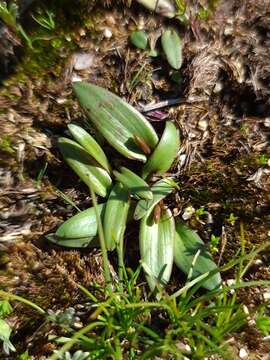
column 126, row 323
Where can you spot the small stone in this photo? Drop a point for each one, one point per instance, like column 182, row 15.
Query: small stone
column 61, row 101
column 83, row 61
column 107, row 33
column 75, row 78
column 228, row 30
column 182, row 160
column 231, row 282
column 267, row 122
column 77, row 325
column 203, row 124
column 188, row 212
column 266, row 296
column 243, row 353
column 82, row 32
column 218, row 87
column 79, row 306
column 110, row 20
column 245, row 309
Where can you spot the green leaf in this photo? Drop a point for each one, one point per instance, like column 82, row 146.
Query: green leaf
column 172, row 47
column 116, row 120
column 160, row 190
column 90, row 145
column 81, row 225
column 139, row 39
column 156, row 247
column 165, row 153
column 78, row 231
column 5, row 308
column 263, row 323
column 85, row 166
column 115, row 217
column 5, row 332
column 76, row 243
column 187, row 245
column 135, row 184
column 24, row 356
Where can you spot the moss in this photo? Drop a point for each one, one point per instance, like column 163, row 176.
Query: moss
column 50, row 48
column 6, row 145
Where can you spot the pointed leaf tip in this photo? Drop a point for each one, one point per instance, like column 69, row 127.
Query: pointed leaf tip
column 157, row 247
column 187, row 245
column 172, row 47
column 116, row 120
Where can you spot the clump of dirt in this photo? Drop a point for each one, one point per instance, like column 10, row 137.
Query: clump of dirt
column 51, row 279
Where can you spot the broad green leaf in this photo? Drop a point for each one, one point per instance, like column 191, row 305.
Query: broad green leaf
column 5, row 308
column 74, row 243
column 187, row 245
column 157, row 247
column 139, row 39
column 90, row 145
column 135, row 184
column 172, row 47
column 115, row 217
column 85, row 166
column 5, row 332
column 116, row 120
column 160, row 190
column 165, row 153
column 80, row 226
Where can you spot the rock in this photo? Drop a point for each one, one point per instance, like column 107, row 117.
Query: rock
column 107, row 33
column 243, row 353
column 83, row 60
column 266, row 296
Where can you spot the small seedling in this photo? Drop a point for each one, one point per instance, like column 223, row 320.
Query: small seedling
column 214, row 244
column 45, row 20
column 171, row 45
column 139, row 39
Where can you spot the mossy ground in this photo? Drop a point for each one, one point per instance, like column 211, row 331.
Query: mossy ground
column 223, row 165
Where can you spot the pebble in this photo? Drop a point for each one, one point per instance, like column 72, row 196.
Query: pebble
column 243, row 353
column 231, row 282
column 182, row 160
column 75, row 78
column 266, row 296
column 107, row 33
column 245, row 309
column 83, row 61
column 203, row 124
column 188, row 212
column 267, row 122
column 61, row 101
column 218, row 87
column 77, row 325
column 110, row 20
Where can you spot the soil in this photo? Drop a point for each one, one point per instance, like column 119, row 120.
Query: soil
column 224, row 159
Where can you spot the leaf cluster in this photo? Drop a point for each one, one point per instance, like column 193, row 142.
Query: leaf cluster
column 162, row 240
